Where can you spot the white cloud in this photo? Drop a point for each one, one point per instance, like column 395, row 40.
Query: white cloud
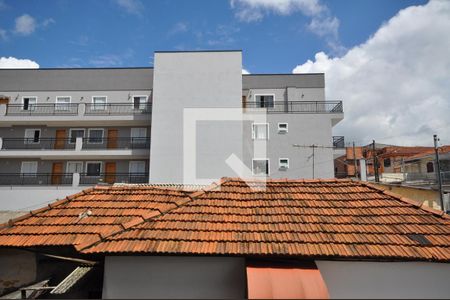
column 395, row 86
column 245, row 71
column 179, row 27
column 134, row 7
column 3, row 35
column 322, row 23
column 254, row 10
column 47, row 22
column 25, row 25
column 15, row 63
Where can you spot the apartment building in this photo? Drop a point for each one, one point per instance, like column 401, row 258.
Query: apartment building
column 62, row 130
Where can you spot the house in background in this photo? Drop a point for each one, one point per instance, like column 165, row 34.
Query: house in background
column 241, row 239
column 62, row 130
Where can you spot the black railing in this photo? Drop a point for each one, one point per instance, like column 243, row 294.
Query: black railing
column 91, row 179
column 36, row 179
column 93, row 143
column 298, row 106
column 37, row 144
column 338, row 142
column 51, row 109
column 117, row 109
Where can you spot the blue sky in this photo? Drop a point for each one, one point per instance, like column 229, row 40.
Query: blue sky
column 114, row 33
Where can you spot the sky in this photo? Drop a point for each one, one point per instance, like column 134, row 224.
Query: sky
column 387, row 60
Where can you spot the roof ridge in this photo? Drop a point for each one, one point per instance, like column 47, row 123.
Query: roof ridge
column 411, row 202
column 49, row 206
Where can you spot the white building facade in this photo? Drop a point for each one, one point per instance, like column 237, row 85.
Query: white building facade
column 193, row 118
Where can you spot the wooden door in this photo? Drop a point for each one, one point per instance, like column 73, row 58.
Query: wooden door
column 110, row 172
column 57, row 171
column 112, row 138
column 60, row 140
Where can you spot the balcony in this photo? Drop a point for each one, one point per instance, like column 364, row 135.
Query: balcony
column 69, row 179
column 338, row 142
column 71, row 114
column 79, row 148
column 298, row 107
column 42, row 110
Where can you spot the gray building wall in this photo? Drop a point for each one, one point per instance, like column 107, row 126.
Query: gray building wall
column 385, row 280
column 174, row 277
column 95, row 79
column 194, row 80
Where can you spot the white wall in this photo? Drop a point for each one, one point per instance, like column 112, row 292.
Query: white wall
column 173, row 277
column 23, row 198
column 194, row 80
column 420, row 280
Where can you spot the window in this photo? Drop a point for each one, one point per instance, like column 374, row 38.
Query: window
column 62, row 103
column 32, row 136
column 138, row 135
column 430, row 167
column 264, row 100
column 74, row 133
column 387, row 162
column 93, row 168
column 260, row 131
column 95, row 136
column 29, row 168
column 99, row 103
column 29, row 103
column 74, row 167
column 260, row 167
column 282, row 127
column 137, row 167
column 139, row 102
column 283, row 163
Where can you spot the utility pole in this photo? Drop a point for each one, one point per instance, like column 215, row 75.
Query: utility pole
column 313, row 146
column 438, row 171
column 375, row 162
column 354, row 161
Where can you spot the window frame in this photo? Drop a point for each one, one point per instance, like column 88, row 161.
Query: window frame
column 280, row 166
column 93, row 162
column 140, row 140
column 89, row 136
column 68, row 104
column 23, row 103
column 70, row 134
column 136, row 161
column 35, row 162
column 254, row 132
column 281, row 130
column 73, row 161
column 132, row 101
column 25, row 141
column 430, row 163
column 264, row 94
column 268, row 167
column 104, row 105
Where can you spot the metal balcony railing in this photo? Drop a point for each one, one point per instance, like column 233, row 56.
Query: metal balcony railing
column 36, row 179
column 338, row 142
column 37, row 144
column 94, row 143
column 297, row 106
column 118, row 109
column 51, row 109
column 91, row 179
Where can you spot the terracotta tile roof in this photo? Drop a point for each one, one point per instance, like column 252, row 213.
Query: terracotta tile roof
column 88, row 216
column 337, row 218
column 394, row 151
column 425, row 153
column 303, row 218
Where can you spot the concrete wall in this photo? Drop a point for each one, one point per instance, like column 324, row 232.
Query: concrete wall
column 194, row 80
column 17, row 268
column 137, row 277
column 428, row 196
column 369, row 280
